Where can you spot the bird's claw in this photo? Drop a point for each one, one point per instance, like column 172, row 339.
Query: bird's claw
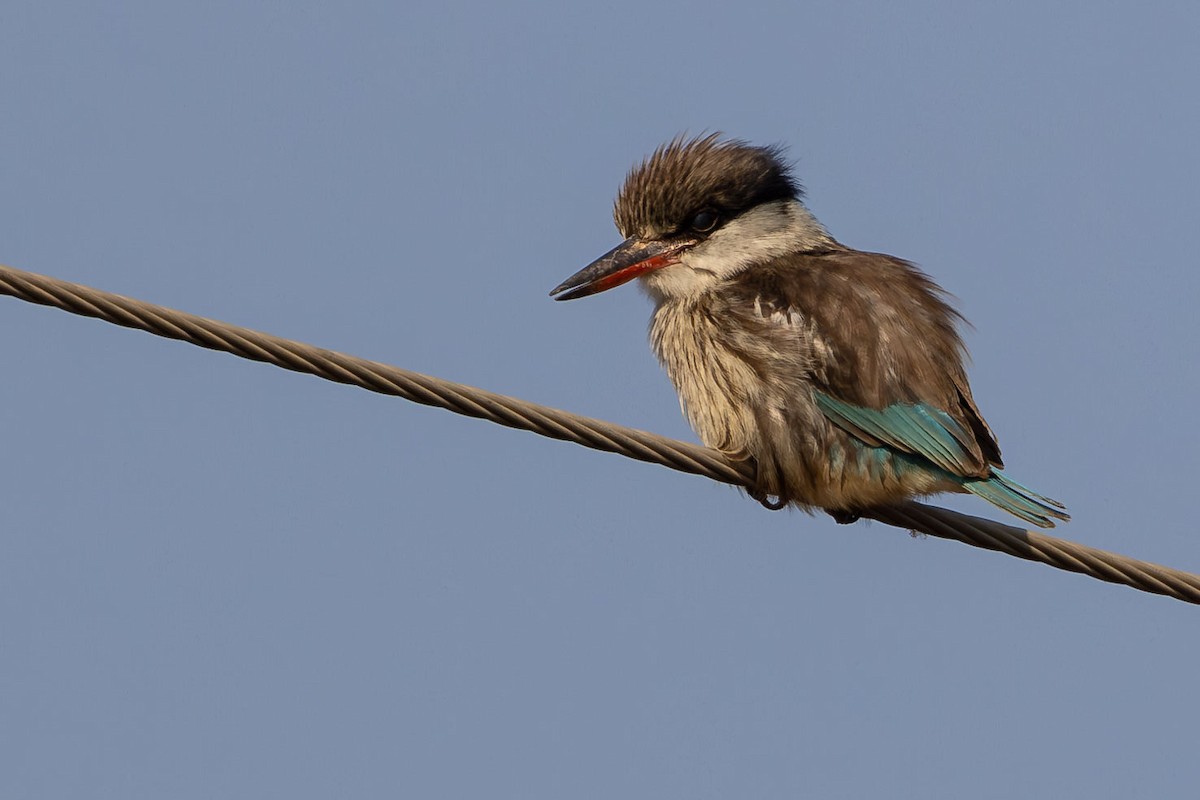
column 769, row 503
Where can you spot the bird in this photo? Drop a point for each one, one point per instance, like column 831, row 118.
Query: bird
column 838, row 374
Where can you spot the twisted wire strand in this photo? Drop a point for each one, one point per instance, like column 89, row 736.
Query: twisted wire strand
column 558, row 424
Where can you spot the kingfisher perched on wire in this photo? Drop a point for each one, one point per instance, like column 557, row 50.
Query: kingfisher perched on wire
column 837, row 373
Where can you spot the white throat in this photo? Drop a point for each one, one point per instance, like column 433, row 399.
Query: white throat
column 763, row 233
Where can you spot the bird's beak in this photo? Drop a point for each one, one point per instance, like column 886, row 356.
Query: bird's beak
column 622, row 264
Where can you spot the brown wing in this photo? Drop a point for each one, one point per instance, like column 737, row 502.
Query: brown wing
column 881, row 335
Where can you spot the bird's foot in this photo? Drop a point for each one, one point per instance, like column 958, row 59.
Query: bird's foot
column 768, row 502
column 843, row 517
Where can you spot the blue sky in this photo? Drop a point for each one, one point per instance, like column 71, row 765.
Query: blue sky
column 221, row 579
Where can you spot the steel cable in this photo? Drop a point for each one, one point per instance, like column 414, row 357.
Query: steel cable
column 558, row 424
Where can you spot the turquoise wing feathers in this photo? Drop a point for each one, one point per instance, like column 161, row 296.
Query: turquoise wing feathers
column 934, row 435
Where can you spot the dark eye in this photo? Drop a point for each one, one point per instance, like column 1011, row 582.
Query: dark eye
column 705, row 221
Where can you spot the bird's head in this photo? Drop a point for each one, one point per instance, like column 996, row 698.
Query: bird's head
column 694, row 213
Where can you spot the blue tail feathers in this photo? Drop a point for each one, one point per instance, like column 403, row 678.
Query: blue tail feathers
column 1003, row 492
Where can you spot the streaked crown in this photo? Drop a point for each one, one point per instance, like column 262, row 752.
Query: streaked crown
column 687, row 176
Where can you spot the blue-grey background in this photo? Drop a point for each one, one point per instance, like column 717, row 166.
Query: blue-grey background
column 220, row 579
